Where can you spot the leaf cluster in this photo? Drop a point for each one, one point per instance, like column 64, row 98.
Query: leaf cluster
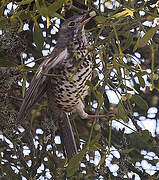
column 124, row 37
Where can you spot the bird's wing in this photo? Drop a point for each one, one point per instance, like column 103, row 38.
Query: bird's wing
column 38, row 85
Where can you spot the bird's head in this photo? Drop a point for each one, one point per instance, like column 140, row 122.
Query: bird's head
column 73, row 29
column 76, row 23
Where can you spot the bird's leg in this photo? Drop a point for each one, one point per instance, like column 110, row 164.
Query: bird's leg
column 84, row 115
column 106, row 116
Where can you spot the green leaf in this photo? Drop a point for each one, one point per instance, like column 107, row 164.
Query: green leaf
column 95, row 147
column 122, row 112
column 99, row 98
column 140, row 78
column 141, row 81
column 74, row 162
column 43, row 11
column 96, row 139
column 140, row 138
column 145, row 135
column 56, row 5
column 38, row 37
column 126, row 151
column 140, row 73
column 57, row 15
column 144, row 40
column 24, row 2
column 118, row 69
column 140, row 102
column 128, row 43
column 100, row 19
column 50, row 10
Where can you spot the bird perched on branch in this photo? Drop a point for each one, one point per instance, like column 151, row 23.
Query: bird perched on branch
column 64, row 73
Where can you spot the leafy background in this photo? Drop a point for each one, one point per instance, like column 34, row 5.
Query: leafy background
column 124, row 44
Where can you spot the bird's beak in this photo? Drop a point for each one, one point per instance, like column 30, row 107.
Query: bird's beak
column 86, row 17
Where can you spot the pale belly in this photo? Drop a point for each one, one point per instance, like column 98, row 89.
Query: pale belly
column 70, row 90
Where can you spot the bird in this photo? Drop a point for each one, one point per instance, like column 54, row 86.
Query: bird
column 64, row 73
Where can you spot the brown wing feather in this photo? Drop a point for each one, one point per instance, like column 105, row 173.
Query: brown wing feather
column 38, row 85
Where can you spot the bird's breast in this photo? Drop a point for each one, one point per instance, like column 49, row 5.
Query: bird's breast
column 71, row 86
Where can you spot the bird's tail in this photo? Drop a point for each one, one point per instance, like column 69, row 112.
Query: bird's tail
column 67, row 136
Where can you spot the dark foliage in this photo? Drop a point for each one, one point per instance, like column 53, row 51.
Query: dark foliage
column 125, row 51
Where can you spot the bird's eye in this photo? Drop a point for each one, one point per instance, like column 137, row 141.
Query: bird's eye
column 71, row 24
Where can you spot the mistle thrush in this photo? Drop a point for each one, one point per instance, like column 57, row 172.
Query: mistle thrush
column 70, row 64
